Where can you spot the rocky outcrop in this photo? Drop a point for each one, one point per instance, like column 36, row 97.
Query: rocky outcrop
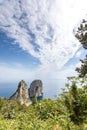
column 36, row 89
column 21, row 94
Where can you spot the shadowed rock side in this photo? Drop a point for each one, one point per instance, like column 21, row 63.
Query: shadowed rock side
column 36, row 89
column 21, row 94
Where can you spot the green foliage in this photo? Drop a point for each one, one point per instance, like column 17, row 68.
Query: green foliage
column 47, row 108
column 83, row 69
column 47, row 114
column 34, row 100
column 75, row 100
column 81, row 33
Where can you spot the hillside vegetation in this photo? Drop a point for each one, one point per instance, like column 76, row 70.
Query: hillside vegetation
column 67, row 112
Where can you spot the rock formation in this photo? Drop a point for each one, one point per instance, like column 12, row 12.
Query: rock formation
column 36, row 89
column 21, row 94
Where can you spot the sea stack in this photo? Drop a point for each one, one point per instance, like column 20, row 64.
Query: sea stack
column 21, row 94
column 36, row 89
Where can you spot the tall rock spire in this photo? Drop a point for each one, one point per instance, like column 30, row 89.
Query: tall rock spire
column 36, row 89
column 21, row 94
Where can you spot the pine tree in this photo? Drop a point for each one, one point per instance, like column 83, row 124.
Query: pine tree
column 75, row 100
column 81, row 33
column 83, row 69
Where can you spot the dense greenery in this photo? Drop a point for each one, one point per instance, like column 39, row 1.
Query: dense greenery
column 83, row 69
column 67, row 112
column 81, row 33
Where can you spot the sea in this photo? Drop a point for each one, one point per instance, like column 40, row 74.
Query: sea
column 49, row 91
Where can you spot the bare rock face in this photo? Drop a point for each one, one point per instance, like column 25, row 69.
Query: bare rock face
column 21, row 94
column 36, row 89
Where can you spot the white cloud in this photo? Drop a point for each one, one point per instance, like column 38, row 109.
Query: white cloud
column 51, row 24
column 16, row 72
column 78, row 54
column 78, row 64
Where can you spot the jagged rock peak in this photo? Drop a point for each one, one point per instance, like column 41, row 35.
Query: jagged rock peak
column 22, row 84
column 21, row 94
column 36, row 88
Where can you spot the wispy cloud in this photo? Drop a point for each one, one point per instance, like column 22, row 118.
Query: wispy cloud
column 43, row 28
column 17, row 72
column 14, row 73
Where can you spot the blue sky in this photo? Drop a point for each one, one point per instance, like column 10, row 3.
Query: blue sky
column 37, row 42
column 11, row 53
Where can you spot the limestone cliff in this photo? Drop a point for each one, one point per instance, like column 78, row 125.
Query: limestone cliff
column 21, row 94
column 36, row 89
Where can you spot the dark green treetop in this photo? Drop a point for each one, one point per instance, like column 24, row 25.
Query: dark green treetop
column 81, row 33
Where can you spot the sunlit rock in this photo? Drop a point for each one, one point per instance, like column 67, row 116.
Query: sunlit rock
column 21, row 94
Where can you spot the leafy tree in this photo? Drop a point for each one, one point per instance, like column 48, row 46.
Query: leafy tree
column 75, row 101
column 81, row 33
column 83, row 69
column 34, row 100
